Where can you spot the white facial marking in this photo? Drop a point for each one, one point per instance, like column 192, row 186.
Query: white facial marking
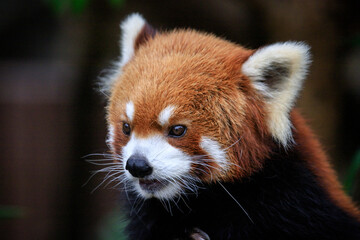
column 169, row 164
column 110, row 136
column 214, row 150
column 165, row 115
column 130, row 110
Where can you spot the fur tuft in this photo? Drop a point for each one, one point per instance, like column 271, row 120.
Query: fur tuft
column 277, row 72
column 131, row 27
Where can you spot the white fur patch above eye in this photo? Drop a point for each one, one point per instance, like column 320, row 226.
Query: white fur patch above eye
column 277, row 71
column 165, row 115
column 130, row 110
column 215, row 151
column 130, row 29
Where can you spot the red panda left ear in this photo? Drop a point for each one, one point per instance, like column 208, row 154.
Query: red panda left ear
column 277, row 71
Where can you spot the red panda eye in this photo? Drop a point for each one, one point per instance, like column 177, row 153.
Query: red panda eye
column 177, row 131
column 126, row 129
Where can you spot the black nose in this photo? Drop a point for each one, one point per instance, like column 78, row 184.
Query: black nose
column 138, row 166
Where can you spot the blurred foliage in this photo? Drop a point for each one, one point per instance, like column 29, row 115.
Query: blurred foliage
column 9, row 212
column 77, row 6
column 114, row 226
column 352, row 173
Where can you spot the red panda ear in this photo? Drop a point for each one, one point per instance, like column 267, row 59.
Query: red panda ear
column 277, row 71
column 135, row 32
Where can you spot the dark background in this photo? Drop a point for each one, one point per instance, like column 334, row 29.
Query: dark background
column 52, row 53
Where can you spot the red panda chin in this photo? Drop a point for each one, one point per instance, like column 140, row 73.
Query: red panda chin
column 153, row 185
column 159, row 189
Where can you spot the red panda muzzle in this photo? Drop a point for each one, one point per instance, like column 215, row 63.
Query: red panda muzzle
column 138, row 166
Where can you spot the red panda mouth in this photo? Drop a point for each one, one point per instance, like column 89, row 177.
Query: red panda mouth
column 151, row 185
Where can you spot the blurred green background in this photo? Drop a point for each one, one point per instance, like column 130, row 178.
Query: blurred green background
column 53, row 51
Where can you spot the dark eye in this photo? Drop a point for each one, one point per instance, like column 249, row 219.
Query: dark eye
column 177, row 131
column 126, row 129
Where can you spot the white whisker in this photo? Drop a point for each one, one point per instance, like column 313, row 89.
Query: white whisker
column 111, row 167
column 233, row 143
column 236, row 201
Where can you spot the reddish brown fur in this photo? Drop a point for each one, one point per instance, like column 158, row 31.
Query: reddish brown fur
column 316, row 159
column 201, row 76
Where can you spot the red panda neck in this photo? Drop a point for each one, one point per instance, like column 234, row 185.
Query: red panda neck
column 310, row 150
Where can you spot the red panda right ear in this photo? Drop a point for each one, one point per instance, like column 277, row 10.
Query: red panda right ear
column 135, row 31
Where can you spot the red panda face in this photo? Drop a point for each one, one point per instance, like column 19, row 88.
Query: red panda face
column 182, row 112
column 165, row 117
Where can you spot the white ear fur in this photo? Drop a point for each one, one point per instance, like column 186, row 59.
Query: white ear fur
column 277, row 72
column 130, row 29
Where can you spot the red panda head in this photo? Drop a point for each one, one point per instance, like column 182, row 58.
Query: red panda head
column 187, row 107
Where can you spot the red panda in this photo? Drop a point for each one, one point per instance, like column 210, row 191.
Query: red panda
column 208, row 145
